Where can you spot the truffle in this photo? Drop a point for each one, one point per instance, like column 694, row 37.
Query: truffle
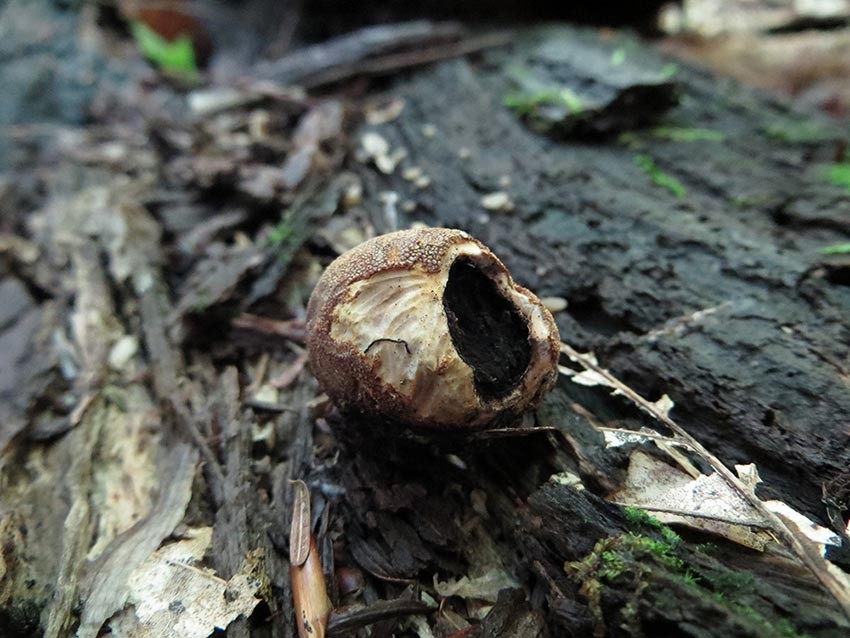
column 426, row 327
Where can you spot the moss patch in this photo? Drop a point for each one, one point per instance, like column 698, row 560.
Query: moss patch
column 526, row 103
column 683, row 134
column 839, row 174
column 793, row 131
column 659, row 177
column 636, row 570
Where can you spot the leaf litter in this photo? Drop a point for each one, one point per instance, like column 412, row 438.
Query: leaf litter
column 173, row 596
column 721, row 502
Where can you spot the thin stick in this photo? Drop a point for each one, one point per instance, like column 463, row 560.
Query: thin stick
column 299, row 66
column 343, row 621
column 387, row 64
column 814, row 562
column 707, row 517
column 646, row 435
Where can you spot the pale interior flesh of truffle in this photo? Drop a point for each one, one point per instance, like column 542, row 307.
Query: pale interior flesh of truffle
column 397, row 321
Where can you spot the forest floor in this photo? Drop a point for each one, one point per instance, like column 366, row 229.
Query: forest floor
column 160, row 237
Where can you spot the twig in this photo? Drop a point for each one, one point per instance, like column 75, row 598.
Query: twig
column 646, row 435
column 266, row 406
column 687, row 514
column 290, row 329
column 166, row 360
column 308, row 62
column 343, row 621
column 397, row 61
column 815, row 563
column 512, row 433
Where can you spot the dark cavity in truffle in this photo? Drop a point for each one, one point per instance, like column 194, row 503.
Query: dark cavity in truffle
column 486, row 330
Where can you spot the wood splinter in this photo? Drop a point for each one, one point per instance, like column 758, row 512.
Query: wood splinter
column 312, row 605
column 313, row 609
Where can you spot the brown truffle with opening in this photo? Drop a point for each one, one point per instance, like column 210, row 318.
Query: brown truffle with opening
column 426, row 327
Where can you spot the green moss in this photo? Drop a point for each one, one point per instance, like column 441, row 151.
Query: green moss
column 280, row 233
column 614, row 557
column 618, row 56
column 793, row 131
column 284, row 237
column 627, row 563
column 659, row 177
column 839, row 174
column 613, row 565
column 669, row 70
column 641, row 518
column 730, row 582
column 527, row 102
column 684, row 134
column 690, row 577
column 745, row 201
column 637, row 516
column 673, row 134
column 781, row 628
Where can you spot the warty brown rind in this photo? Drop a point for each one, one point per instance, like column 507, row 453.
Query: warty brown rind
column 379, row 342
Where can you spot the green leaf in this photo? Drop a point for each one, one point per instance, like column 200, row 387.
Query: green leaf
column 172, row 56
column 836, row 249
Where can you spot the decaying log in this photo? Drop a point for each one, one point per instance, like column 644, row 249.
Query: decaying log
column 137, row 304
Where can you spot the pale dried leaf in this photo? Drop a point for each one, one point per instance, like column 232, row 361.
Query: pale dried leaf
column 715, row 17
column 498, row 200
column 204, row 102
column 664, row 405
column 617, row 438
column 266, row 394
column 375, row 148
column 567, row 478
column 172, row 597
column 554, row 304
column 123, row 351
column 374, row 145
column 321, row 123
column 590, row 378
column 484, row 587
column 706, row 503
column 749, row 476
column 386, row 112
column 387, row 163
column 841, row 577
column 113, row 573
column 420, row 625
column 820, row 536
column 579, row 357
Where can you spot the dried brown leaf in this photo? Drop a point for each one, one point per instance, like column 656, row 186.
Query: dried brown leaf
column 299, row 539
